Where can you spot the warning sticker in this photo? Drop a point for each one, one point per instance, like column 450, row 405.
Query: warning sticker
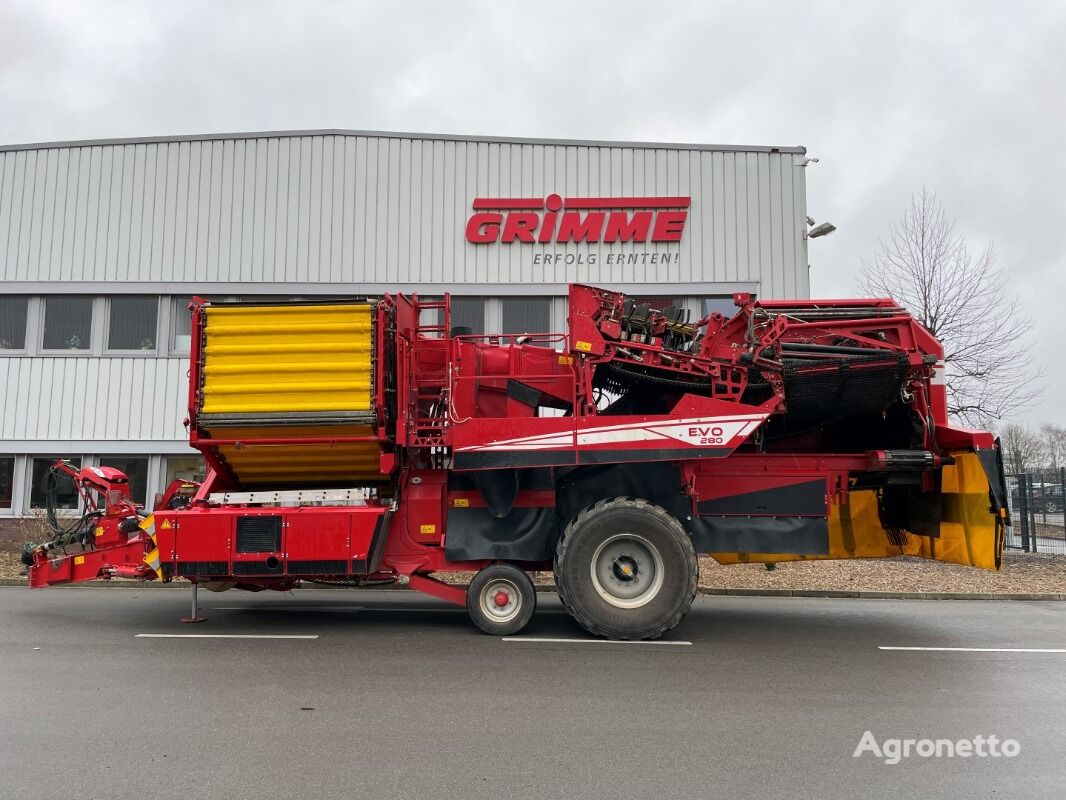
column 166, row 524
column 461, row 502
column 428, row 529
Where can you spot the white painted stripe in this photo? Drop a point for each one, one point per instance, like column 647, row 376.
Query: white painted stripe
column 224, row 636
column 539, row 640
column 599, row 432
column 982, row 649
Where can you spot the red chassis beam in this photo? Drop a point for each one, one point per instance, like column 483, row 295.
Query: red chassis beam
column 119, row 561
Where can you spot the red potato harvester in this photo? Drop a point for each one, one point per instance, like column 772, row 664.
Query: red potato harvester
column 360, row 442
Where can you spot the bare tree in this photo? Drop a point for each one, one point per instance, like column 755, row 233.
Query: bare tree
column 962, row 299
column 1021, row 448
column 1053, row 443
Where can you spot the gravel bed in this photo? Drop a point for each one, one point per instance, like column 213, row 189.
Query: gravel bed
column 10, row 565
column 1022, row 572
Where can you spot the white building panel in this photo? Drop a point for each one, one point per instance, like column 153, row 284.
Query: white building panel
column 378, row 210
column 121, row 401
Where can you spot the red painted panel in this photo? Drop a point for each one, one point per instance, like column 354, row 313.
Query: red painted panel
column 712, row 487
column 364, row 524
column 318, row 535
column 198, row 535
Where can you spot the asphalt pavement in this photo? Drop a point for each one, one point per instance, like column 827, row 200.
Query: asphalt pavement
column 385, row 694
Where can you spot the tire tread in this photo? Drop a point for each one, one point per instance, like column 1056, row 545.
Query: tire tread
column 566, row 539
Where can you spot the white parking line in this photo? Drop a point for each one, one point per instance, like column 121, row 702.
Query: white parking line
column 224, row 636
column 545, row 640
column 982, row 649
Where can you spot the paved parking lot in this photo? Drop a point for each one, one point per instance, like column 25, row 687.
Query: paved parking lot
column 389, row 694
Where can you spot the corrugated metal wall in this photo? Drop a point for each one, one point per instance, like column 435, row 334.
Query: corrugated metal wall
column 79, row 398
column 378, row 209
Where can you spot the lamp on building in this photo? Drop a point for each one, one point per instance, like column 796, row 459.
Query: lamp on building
column 824, row 229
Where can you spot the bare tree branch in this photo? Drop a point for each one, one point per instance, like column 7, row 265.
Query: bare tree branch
column 962, row 299
column 1021, row 447
column 1053, row 445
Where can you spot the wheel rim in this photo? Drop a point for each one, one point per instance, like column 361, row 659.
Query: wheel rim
column 500, row 600
column 627, row 570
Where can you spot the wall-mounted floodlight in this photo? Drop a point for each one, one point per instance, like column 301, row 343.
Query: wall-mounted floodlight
column 824, row 229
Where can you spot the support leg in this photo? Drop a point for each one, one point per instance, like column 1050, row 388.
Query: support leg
column 194, row 617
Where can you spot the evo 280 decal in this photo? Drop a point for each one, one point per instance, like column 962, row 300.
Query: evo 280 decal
column 726, row 432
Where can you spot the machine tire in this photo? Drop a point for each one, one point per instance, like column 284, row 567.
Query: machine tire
column 598, row 565
column 493, row 582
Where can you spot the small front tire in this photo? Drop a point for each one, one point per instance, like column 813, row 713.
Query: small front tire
column 501, row 600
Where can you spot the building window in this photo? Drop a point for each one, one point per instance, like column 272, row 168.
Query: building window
column 722, row 304
column 180, row 325
column 136, row 469
column 659, row 303
column 468, row 313
column 68, row 323
column 13, row 323
column 66, row 494
column 185, row 468
column 7, row 480
column 526, row 315
column 132, row 323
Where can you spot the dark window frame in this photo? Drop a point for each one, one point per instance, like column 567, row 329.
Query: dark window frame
column 34, row 480
column 544, row 303
column 25, row 326
column 87, row 349
column 109, row 329
column 461, row 299
column 108, row 460
column 7, row 485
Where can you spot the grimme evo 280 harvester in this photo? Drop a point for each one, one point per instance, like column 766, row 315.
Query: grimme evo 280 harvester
column 365, row 441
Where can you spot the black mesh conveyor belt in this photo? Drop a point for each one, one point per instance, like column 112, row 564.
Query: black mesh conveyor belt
column 831, row 389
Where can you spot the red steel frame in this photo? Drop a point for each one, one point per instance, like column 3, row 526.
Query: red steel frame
column 456, row 397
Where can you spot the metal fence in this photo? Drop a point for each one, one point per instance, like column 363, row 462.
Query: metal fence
column 1036, row 508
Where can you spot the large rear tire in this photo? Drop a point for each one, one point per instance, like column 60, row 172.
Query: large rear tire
column 626, row 569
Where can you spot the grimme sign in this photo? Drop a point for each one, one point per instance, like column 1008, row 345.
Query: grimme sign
column 555, row 220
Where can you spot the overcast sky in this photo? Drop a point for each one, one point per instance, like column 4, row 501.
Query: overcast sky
column 967, row 100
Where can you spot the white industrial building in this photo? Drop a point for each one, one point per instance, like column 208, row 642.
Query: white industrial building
column 103, row 242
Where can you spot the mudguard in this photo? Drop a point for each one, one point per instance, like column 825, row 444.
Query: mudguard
column 971, row 528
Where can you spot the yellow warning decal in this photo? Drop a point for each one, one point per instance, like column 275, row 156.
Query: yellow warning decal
column 428, row 529
column 461, row 502
column 566, row 360
column 79, row 559
column 166, row 524
column 584, row 347
column 152, row 559
column 99, row 531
